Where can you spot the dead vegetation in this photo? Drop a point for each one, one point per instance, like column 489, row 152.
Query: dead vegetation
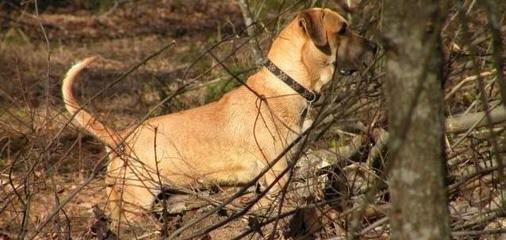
column 51, row 173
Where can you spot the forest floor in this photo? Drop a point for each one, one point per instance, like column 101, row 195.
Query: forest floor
column 45, row 159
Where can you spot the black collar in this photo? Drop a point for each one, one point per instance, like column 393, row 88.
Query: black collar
column 310, row 96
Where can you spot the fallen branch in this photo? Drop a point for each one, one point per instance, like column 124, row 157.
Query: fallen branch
column 324, row 158
column 478, row 233
column 464, row 122
column 456, row 124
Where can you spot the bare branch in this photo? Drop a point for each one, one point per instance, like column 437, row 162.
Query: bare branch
column 464, row 122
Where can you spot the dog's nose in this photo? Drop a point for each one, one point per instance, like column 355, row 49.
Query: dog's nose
column 372, row 46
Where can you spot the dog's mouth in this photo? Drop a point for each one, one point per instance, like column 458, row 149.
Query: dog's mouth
column 346, row 72
column 346, row 68
column 349, row 69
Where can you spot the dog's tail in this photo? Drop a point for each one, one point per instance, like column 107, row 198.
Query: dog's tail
column 84, row 118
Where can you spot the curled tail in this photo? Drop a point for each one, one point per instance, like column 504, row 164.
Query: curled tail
column 84, row 118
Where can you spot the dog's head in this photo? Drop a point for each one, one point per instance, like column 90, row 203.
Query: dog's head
column 321, row 40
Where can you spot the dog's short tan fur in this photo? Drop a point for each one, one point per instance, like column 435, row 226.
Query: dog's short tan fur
column 231, row 140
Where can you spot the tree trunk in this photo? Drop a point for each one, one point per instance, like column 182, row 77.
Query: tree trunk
column 413, row 90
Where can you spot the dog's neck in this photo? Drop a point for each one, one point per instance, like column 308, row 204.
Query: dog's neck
column 309, row 95
column 282, row 99
column 271, row 86
column 292, row 66
column 305, row 69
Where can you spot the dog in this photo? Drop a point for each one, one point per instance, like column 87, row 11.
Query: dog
column 229, row 141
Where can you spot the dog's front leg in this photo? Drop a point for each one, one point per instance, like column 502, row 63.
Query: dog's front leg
column 274, row 182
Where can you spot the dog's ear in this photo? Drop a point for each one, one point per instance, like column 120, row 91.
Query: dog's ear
column 312, row 23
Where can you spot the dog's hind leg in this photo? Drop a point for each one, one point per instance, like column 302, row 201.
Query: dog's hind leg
column 130, row 193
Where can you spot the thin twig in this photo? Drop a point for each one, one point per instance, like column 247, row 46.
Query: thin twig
column 248, row 21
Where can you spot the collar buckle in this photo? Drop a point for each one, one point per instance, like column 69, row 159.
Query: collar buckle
column 312, row 97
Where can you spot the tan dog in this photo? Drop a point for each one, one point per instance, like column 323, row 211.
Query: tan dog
column 227, row 142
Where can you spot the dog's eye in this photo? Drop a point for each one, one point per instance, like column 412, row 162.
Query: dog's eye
column 342, row 29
